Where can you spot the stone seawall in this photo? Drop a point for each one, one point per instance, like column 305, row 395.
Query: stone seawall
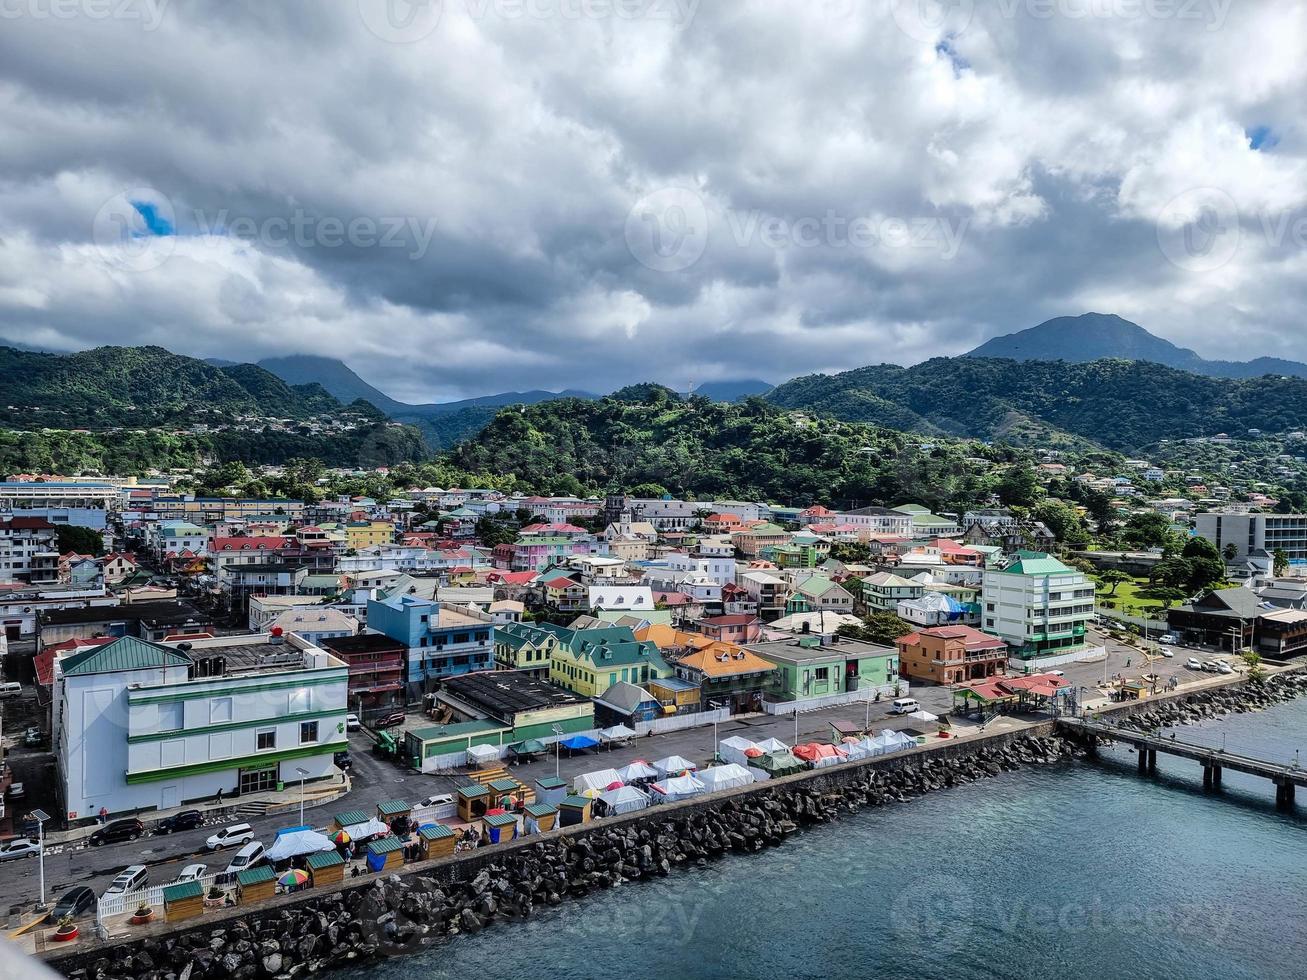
column 431, row 902
column 1237, row 697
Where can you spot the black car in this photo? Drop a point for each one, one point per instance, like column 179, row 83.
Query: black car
column 343, row 762
column 73, row 903
column 186, row 820
column 117, row 832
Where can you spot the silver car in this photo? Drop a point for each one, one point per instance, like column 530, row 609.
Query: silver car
column 22, row 847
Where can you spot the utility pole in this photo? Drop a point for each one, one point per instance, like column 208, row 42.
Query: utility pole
column 40, row 816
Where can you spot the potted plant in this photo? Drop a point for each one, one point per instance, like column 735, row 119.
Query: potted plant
column 66, row 930
column 143, row 914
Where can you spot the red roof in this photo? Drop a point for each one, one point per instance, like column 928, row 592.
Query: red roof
column 512, row 578
column 561, row 582
column 43, row 662
column 268, row 543
column 972, row 638
column 672, row 598
column 28, row 524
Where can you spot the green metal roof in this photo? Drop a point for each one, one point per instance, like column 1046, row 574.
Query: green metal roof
column 351, row 817
column 390, row 808
column 472, row 792
column 1036, row 563
column 324, row 859
column 124, row 653
column 255, row 876
column 438, row 733
column 550, row 782
column 186, row 889
column 505, row 785
column 574, row 801
column 500, row 819
column 387, row 845
column 436, row 831
column 541, row 809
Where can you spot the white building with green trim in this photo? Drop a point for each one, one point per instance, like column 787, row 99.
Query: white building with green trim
column 141, row 726
column 1038, row 606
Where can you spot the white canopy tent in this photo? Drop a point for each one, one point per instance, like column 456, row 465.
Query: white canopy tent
column 479, row 755
column 732, row 749
column 626, row 799
column 297, row 842
column 674, row 764
column 677, row 788
column 639, row 769
column 371, row 828
column 618, row 733
column 599, row 780
column 923, row 715
column 729, row 776
column 771, row 745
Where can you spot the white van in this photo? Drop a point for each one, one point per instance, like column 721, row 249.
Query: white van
column 904, row 706
column 11, row 689
column 131, row 879
column 246, row 858
column 241, row 833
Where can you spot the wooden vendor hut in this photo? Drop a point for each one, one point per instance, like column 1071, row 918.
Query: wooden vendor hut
column 473, row 802
column 505, row 793
column 500, row 827
column 255, row 885
column 550, row 790
column 326, row 868
column 183, row 901
column 542, row 815
column 385, row 854
column 574, row 810
column 437, row 841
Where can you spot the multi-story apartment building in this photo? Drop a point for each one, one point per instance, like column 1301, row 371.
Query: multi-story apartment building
column 950, row 654
column 879, row 521
column 1252, row 533
column 376, row 668
column 77, row 504
column 440, row 639
column 1038, row 606
column 140, row 725
column 29, row 551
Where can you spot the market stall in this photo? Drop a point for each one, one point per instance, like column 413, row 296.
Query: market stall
column 624, row 799
column 600, row 780
column 677, row 788
column 674, row 765
column 728, row 776
column 733, row 749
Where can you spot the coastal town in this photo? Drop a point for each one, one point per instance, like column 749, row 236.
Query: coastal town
column 341, row 684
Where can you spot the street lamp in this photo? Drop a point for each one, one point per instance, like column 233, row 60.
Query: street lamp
column 40, row 816
column 558, row 748
column 303, row 773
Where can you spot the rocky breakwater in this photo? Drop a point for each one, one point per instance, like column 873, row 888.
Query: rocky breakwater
column 1206, row 705
column 404, row 913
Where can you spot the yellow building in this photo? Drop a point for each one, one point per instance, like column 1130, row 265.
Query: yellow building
column 591, row 661
column 368, row 534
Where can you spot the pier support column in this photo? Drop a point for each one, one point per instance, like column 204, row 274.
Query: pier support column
column 1207, row 778
column 1143, row 761
column 1152, row 760
column 1216, row 775
column 1284, row 794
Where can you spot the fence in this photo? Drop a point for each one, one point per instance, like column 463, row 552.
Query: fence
column 887, row 691
column 125, row 902
column 676, row 723
column 1030, row 666
column 458, row 760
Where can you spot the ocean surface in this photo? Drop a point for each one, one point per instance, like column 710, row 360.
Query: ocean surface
column 1081, row 870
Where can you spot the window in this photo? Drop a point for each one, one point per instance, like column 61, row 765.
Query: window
column 308, row 732
column 170, row 716
column 267, row 740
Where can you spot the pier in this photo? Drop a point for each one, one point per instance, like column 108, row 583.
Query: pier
column 1286, row 778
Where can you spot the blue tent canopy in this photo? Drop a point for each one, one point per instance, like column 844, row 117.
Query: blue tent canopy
column 580, row 742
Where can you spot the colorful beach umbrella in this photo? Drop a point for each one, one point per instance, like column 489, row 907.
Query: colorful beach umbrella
column 295, row 876
column 340, row 837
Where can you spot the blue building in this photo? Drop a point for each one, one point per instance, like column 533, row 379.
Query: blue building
column 441, row 639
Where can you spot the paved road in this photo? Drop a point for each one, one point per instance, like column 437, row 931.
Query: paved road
column 377, row 779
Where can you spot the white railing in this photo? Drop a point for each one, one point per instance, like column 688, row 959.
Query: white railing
column 886, row 692
column 676, row 723
column 125, row 902
column 430, row 814
column 1040, row 663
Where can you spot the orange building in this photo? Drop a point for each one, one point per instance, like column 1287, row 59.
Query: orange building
column 951, row 654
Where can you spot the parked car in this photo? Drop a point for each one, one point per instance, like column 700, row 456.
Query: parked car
column 1224, row 668
column 904, row 706
column 186, row 820
column 390, row 720
column 440, row 799
column 1211, row 667
column 1193, row 663
column 342, row 761
column 19, row 847
column 117, row 832
column 233, row 836
column 244, row 859
column 17, row 791
column 33, row 737
column 192, row 872
column 1056, row 673
column 352, row 722
column 11, row 689
column 73, row 904
column 1166, row 652
column 130, row 879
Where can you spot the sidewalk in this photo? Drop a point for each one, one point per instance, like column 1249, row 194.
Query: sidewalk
column 324, row 792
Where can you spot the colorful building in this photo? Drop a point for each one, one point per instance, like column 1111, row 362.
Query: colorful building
column 950, row 654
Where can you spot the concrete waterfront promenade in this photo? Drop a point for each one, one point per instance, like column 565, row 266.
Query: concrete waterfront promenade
column 1011, row 735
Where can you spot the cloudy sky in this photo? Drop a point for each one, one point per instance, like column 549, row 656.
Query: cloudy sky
column 484, row 195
